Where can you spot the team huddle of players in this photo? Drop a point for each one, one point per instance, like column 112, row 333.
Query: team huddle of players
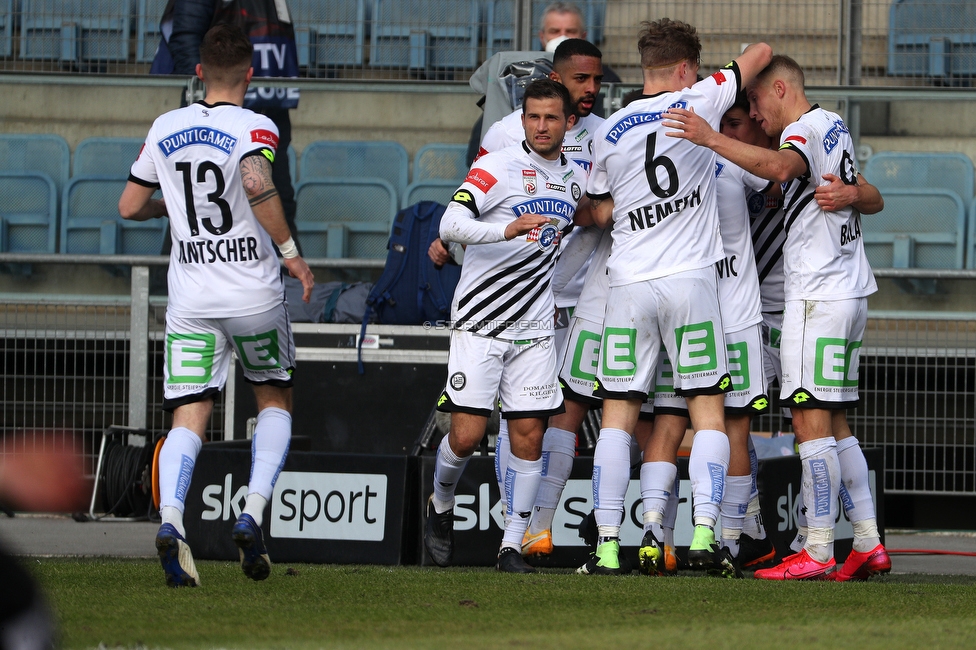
column 708, row 234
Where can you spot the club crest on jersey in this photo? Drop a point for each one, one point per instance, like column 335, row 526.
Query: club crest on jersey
column 545, row 236
column 576, row 191
column 529, row 182
column 756, row 203
column 195, row 135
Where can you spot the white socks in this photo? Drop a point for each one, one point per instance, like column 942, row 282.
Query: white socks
column 269, row 448
column 611, row 475
column 855, row 494
column 558, row 452
column 657, row 480
column 448, row 468
column 176, row 461
column 735, row 505
column 521, row 488
column 671, row 513
column 707, row 467
column 819, row 484
column 503, row 449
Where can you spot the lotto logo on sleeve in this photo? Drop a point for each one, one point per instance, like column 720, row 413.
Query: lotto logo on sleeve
column 480, row 179
column 265, row 137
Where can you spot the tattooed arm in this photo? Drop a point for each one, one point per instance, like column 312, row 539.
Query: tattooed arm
column 266, row 205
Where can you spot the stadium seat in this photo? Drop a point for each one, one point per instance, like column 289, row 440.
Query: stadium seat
column 28, row 213
column 425, row 34
column 75, row 30
column 909, row 170
column 148, row 13
column 329, row 33
column 6, row 27
column 329, row 159
column 36, row 153
column 440, row 161
column 90, row 221
column 345, row 217
column 932, row 38
column 438, row 190
column 105, row 156
column 919, row 228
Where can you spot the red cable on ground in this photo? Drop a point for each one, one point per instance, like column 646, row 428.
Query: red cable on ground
column 923, row 551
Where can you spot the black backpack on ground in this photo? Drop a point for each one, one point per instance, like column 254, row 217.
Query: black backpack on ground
column 411, row 290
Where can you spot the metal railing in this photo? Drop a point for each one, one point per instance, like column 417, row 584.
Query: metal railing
column 75, row 364
column 844, row 42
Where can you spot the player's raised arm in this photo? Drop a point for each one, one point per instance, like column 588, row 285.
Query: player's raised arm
column 266, row 205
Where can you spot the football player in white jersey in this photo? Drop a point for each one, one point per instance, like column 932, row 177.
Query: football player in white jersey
column 663, row 281
column 212, row 161
column 510, row 212
column 828, row 279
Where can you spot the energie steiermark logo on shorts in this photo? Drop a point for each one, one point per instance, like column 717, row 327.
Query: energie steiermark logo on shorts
column 190, row 358
column 619, row 351
column 696, row 348
column 258, row 352
column 586, row 356
column 837, row 363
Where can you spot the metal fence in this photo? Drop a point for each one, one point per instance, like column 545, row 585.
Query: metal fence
column 872, row 42
column 74, row 365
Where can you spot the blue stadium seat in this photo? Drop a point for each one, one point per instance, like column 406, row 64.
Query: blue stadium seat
column 28, row 213
column 6, row 27
column 444, row 161
column 900, row 170
column 105, row 156
column 75, row 30
column 330, row 159
column 329, row 33
column 438, row 190
column 425, row 34
column 932, row 38
column 21, row 152
column 90, row 221
column 345, row 217
column 148, row 13
column 919, row 228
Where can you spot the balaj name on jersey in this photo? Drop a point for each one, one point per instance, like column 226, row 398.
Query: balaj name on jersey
column 197, row 135
column 228, row 249
column 648, row 216
column 554, row 207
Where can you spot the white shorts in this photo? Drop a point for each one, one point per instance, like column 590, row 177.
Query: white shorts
column 748, row 394
column 198, row 353
column 821, row 352
column 680, row 311
column 520, row 375
column 577, row 374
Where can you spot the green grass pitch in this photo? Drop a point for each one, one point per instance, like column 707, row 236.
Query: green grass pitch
column 125, row 604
